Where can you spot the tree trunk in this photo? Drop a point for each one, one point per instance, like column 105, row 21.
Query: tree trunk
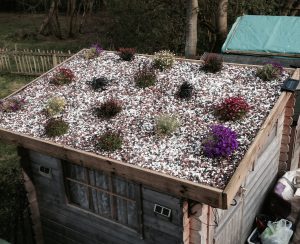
column 287, row 7
column 191, row 29
column 72, row 17
column 296, row 9
column 221, row 23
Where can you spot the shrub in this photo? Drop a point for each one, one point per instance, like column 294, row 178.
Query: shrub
column 213, row 62
column 166, row 124
column 220, row 142
column 108, row 109
column 145, row 76
column 99, row 83
column 56, row 127
column 269, row 71
column 63, row 76
column 11, row 104
column 163, row 60
column 126, row 54
column 185, row 90
column 109, row 141
column 93, row 52
column 55, row 106
column 232, row 108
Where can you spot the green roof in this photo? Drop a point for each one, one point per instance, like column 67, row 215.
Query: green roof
column 258, row 34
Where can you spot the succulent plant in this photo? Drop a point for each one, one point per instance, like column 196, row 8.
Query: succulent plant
column 163, row 60
column 56, row 127
column 213, row 62
column 220, row 142
column 11, row 104
column 269, row 72
column 63, row 76
column 108, row 109
column 145, row 76
column 99, row 83
column 93, row 52
column 109, row 141
column 185, row 90
column 55, row 106
column 126, row 54
column 166, row 124
column 232, row 108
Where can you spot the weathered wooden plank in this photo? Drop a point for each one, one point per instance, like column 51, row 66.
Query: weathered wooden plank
column 42, row 159
column 244, row 166
column 165, row 183
column 153, row 236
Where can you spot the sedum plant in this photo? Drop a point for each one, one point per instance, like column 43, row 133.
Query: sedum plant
column 221, row 141
column 166, row 124
column 11, row 105
column 126, row 54
column 63, row 76
column 185, row 91
column 145, row 76
column 56, row 127
column 269, row 71
column 55, row 106
column 163, row 60
column 109, row 141
column 232, row 108
column 99, row 83
column 213, row 63
column 93, row 52
column 108, row 109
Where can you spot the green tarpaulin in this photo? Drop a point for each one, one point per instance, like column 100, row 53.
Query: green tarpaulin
column 257, row 34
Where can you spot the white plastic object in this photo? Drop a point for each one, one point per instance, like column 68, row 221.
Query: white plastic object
column 277, row 232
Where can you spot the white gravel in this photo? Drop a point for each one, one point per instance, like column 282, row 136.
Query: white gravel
column 178, row 155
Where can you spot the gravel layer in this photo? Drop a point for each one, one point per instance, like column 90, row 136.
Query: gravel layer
column 178, row 155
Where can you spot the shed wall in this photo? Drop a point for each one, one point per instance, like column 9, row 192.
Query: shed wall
column 65, row 223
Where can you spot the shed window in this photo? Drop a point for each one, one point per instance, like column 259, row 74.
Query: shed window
column 104, row 194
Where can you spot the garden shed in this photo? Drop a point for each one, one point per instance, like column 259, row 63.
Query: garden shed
column 153, row 188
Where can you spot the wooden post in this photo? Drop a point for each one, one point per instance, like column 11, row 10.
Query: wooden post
column 54, row 60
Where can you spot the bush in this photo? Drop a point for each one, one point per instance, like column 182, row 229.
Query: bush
column 55, row 106
column 232, row 108
column 11, row 105
column 93, row 52
column 62, row 77
column 109, row 141
column 109, row 109
column 99, row 83
column 126, row 54
column 166, row 124
column 56, row 127
column 185, row 90
column 145, row 76
column 269, row 71
column 163, row 60
column 213, row 63
column 220, row 142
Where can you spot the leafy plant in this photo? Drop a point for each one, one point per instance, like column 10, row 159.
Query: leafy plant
column 108, row 109
column 63, row 76
column 127, row 54
column 220, row 142
column 109, row 141
column 163, row 60
column 185, row 90
column 166, row 124
column 55, row 106
column 93, row 52
column 213, row 62
column 11, row 104
column 145, row 76
column 232, row 108
column 56, row 127
column 269, row 71
column 99, row 83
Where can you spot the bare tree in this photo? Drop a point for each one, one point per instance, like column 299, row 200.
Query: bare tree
column 221, row 22
column 191, row 28
column 296, row 9
column 287, row 7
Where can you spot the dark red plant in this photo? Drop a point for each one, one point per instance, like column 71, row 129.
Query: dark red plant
column 63, row 76
column 126, row 54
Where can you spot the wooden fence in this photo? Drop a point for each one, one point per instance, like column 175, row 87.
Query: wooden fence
column 30, row 62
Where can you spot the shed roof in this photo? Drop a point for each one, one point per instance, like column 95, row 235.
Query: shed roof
column 265, row 35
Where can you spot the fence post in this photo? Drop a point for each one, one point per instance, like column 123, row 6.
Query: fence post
column 54, row 60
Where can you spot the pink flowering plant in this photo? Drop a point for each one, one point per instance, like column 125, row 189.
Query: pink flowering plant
column 232, row 108
column 221, row 141
column 11, row 105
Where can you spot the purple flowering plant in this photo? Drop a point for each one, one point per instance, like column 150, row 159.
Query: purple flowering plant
column 221, row 141
column 11, row 105
column 98, row 48
column 93, row 52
